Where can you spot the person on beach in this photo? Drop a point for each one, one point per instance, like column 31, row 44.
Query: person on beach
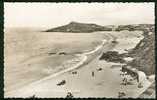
column 121, row 94
column 33, row 97
column 69, row 95
column 125, row 80
column 92, row 73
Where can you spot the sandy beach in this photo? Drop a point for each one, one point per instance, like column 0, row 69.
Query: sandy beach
column 79, row 50
column 105, row 83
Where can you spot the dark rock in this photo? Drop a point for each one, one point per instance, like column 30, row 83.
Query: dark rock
column 51, row 53
column 115, row 42
column 99, row 69
column 62, row 53
column 112, row 56
column 61, row 83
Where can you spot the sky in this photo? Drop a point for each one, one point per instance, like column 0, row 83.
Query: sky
column 50, row 15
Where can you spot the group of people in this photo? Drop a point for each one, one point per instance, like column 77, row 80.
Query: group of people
column 129, row 74
column 135, row 74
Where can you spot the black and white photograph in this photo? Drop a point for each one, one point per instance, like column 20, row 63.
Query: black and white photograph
column 79, row 50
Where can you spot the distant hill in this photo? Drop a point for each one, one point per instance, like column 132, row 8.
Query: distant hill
column 146, row 28
column 134, row 27
column 76, row 27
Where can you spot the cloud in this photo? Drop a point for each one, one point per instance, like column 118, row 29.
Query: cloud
column 56, row 14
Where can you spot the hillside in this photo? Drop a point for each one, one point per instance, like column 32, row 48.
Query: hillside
column 76, row 27
column 144, row 51
column 146, row 28
column 135, row 27
column 144, row 55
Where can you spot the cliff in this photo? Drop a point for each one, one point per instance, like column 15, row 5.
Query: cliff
column 144, row 55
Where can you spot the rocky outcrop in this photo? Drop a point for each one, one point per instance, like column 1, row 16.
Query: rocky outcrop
column 76, row 27
column 112, row 56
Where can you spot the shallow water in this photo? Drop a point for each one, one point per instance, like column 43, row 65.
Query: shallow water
column 31, row 56
column 34, row 55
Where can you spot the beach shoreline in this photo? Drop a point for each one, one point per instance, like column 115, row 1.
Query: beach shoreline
column 84, row 57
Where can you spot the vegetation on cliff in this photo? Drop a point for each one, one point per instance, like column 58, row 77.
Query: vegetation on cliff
column 143, row 53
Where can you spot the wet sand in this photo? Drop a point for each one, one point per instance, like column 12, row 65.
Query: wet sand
column 33, row 55
column 105, row 83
